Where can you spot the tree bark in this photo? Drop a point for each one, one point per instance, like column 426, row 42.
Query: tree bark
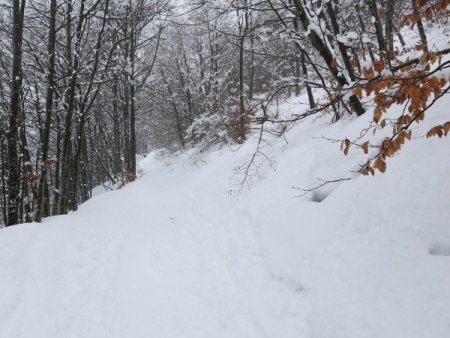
column 342, row 48
column 373, row 9
column 312, row 103
column 15, row 112
column 243, row 27
column 48, row 110
column 420, row 28
column 326, row 55
column 389, row 25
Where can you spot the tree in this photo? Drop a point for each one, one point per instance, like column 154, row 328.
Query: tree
column 15, row 113
column 48, row 112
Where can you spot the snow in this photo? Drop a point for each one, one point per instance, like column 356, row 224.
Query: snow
column 179, row 253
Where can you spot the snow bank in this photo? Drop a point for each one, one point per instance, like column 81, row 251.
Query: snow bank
column 180, row 254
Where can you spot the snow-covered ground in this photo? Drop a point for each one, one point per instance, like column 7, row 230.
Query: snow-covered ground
column 180, row 254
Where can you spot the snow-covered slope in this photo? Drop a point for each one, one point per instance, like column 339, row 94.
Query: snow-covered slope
column 180, row 254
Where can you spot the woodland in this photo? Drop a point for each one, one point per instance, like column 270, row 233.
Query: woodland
column 86, row 85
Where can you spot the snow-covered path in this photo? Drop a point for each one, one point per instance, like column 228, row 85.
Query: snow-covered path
column 135, row 264
column 175, row 255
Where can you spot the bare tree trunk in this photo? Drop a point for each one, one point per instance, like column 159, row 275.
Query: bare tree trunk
column 132, row 151
column 67, row 160
column 48, row 111
column 312, row 103
column 363, row 28
column 117, row 163
column 15, row 112
column 243, row 27
column 421, row 29
column 399, row 35
column 389, row 25
column 56, row 204
column 326, row 55
column 378, row 28
column 176, row 112
column 28, row 190
column 342, row 47
column 251, row 84
column 3, row 157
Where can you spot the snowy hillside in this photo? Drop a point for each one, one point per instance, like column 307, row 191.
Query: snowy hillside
column 180, row 254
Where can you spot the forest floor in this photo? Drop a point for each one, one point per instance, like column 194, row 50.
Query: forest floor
column 181, row 254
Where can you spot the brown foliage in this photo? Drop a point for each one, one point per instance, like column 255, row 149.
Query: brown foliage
column 30, row 177
column 48, row 163
column 413, row 83
column 128, row 176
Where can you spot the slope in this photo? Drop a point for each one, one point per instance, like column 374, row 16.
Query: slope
column 179, row 253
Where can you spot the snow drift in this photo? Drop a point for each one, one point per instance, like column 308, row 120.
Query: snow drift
column 180, row 254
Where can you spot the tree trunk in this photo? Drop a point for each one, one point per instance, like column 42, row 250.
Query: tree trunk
column 342, row 48
column 312, row 103
column 389, row 26
column 243, row 27
column 363, row 29
column 28, row 190
column 326, row 55
column 48, row 110
column 67, row 160
column 378, row 28
column 132, row 151
column 15, row 112
column 423, row 36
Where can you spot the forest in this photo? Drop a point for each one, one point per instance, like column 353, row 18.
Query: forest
column 86, row 85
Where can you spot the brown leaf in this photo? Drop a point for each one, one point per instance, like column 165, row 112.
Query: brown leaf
column 390, row 147
column 376, row 114
column 378, row 66
column 446, row 127
column 380, row 165
column 420, row 117
column 369, row 73
column 433, row 57
column 48, row 163
column 347, row 144
column 424, row 58
column 436, row 131
column 365, row 147
column 333, row 64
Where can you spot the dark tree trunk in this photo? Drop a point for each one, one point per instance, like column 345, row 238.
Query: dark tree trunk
column 399, row 35
column 342, row 48
column 420, row 28
column 389, row 26
column 28, row 184
column 312, row 103
column 326, row 55
column 243, row 27
column 251, row 84
column 132, row 151
column 372, row 5
column 363, row 29
column 15, row 112
column 175, row 111
column 67, row 159
column 56, row 204
column 117, row 163
column 48, row 111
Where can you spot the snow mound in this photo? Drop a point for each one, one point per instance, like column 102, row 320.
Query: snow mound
column 180, row 254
